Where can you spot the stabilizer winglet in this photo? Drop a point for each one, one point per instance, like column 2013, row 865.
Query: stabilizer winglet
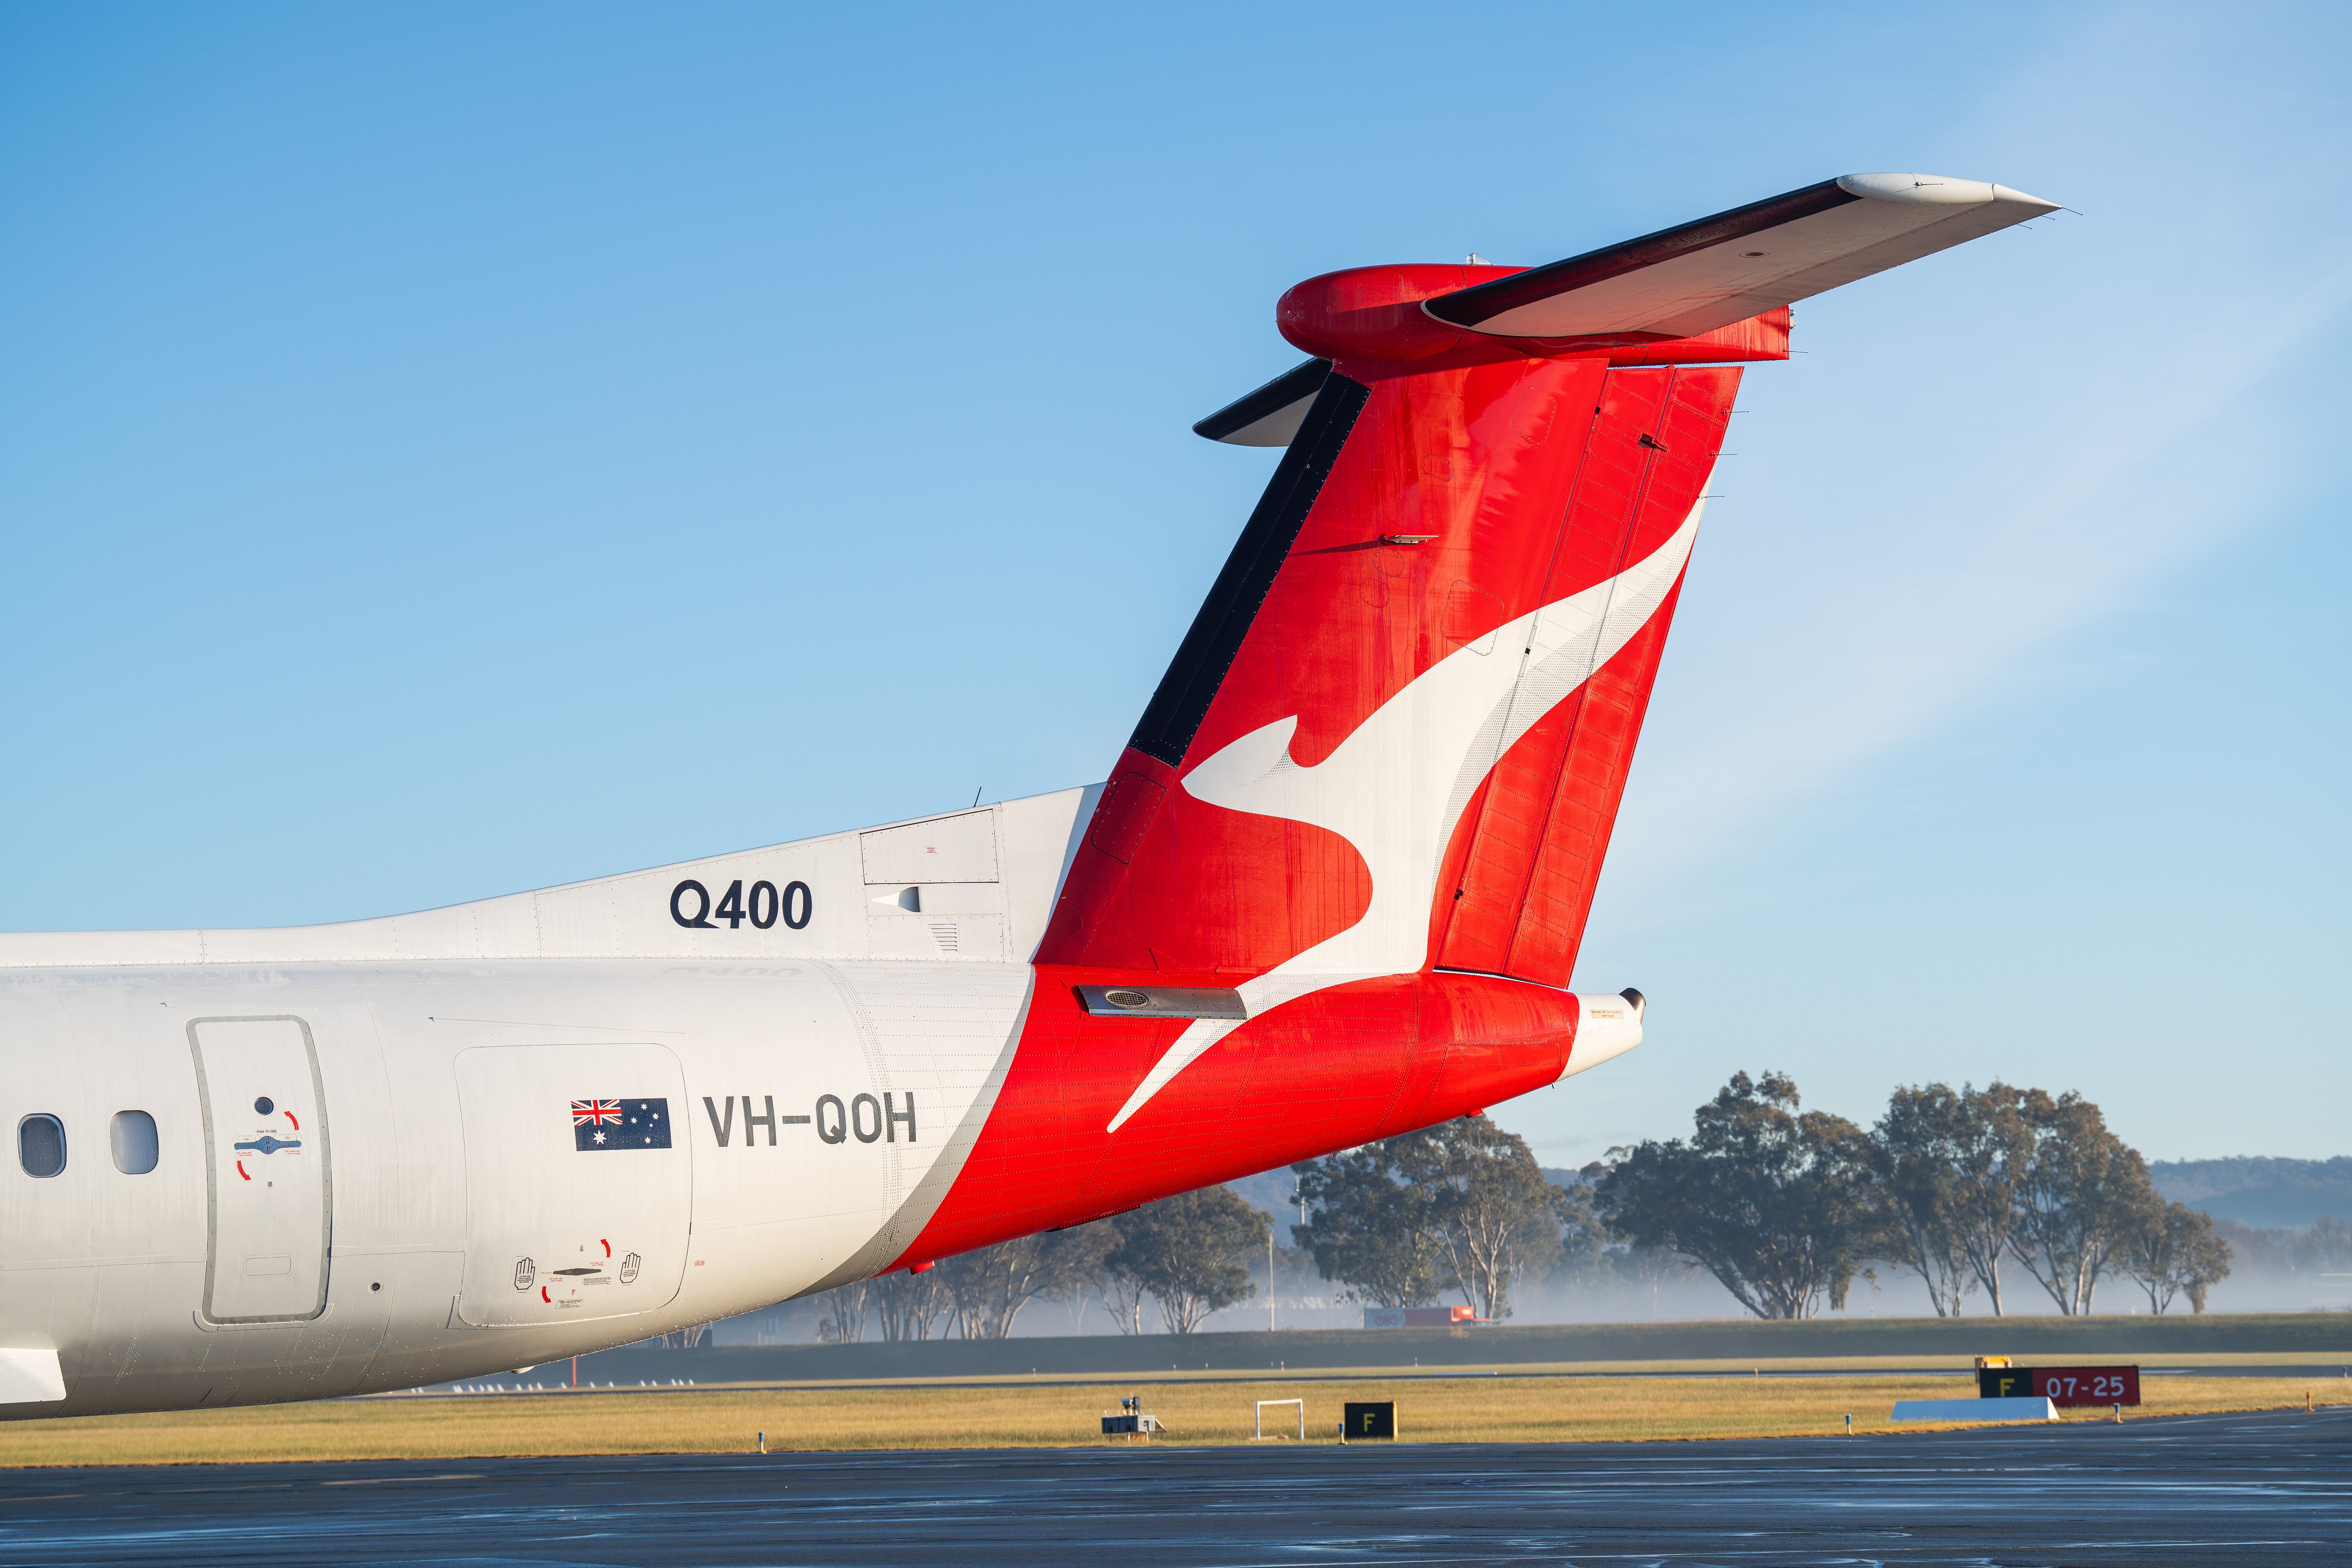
column 1716, row 290
column 1697, row 277
column 1271, row 415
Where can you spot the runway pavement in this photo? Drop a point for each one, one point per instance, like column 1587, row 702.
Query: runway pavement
column 2274, row 1488
column 553, row 1379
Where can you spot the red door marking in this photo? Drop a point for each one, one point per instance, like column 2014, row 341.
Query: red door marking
column 242, row 1172
column 298, row 1126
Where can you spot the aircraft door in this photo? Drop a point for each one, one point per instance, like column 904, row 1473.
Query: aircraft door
column 578, row 1199
column 270, row 1193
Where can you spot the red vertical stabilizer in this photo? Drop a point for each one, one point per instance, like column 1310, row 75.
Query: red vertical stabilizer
column 1391, row 744
column 1420, row 516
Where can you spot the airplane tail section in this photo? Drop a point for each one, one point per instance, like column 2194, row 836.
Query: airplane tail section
column 1396, row 733
column 1395, row 737
column 1371, row 795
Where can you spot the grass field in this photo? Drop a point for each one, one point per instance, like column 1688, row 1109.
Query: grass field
column 1520, row 1409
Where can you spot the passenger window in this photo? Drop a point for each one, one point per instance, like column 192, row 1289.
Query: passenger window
column 41, row 1145
column 135, row 1148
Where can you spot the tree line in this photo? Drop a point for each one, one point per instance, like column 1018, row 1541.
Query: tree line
column 1972, row 1191
column 1786, row 1207
column 1186, row 1256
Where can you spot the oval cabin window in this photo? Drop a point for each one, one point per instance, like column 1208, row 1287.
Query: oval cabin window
column 41, row 1145
column 136, row 1149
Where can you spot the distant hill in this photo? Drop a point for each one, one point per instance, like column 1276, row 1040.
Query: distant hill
column 2258, row 1190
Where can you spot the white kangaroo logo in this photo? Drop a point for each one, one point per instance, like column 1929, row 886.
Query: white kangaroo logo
column 1396, row 788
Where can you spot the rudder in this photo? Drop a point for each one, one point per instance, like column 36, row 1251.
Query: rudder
column 1528, row 858
column 1422, row 517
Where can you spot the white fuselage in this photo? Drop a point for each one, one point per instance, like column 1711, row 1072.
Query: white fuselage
column 378, row 1158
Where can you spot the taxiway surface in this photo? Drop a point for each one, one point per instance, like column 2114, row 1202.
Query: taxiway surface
column 2274, row 1488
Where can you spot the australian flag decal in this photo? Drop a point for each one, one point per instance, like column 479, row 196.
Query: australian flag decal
column 620, row 1124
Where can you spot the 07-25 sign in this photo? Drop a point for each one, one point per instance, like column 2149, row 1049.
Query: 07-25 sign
column 2062, row 1385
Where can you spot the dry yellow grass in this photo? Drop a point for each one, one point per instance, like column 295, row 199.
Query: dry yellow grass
column 1549, row 1409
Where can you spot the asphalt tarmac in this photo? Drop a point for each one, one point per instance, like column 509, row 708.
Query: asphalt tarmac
column 552, row 1378
column 2274, row 1488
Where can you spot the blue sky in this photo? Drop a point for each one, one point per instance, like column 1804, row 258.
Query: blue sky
column 444, row 451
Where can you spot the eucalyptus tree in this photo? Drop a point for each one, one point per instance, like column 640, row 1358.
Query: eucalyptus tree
column 1776, row 1202
column 1495, row 1218
column 2082, row 1196
column 1991, row 1151
column 1187, row 1253
column 1587, row 1253
column 2175, row 1252
column 1915, row 1152
column 910, row 1305
column 844, row 1322
column 1371, row 1222
column 990, row 1286
column 1462, row 1206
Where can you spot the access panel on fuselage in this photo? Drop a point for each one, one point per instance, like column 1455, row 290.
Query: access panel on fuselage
column 270, row 1186
column 579, row 1186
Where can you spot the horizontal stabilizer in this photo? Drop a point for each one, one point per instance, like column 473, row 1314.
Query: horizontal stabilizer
column 1694, row 278
column 1271, row 415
